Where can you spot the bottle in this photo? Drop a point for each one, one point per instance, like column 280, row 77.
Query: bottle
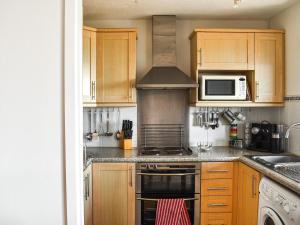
column 233, row 132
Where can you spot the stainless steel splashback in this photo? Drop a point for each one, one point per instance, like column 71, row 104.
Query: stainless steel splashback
column 163, row 107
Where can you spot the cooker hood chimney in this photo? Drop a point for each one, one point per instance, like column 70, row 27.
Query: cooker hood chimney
column 164, row 74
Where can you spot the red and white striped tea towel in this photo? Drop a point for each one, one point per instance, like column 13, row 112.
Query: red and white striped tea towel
column 172, row 212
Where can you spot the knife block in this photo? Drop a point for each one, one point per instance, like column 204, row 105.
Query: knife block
column 125, row 144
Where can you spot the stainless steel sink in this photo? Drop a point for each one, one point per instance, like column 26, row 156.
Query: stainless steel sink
column 287, row 165
column 275, row 159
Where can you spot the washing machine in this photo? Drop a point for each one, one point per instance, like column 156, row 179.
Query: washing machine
column 277, row 204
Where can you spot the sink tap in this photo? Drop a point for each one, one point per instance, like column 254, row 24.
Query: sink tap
column 287, row 134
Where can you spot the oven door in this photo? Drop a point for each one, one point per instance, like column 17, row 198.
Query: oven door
column 146, row 208
column 220, row 88
column 167, row 180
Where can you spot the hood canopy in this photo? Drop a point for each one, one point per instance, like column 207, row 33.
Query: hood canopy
column 164, row 74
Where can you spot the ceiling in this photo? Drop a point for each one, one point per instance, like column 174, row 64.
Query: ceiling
column 183, row 9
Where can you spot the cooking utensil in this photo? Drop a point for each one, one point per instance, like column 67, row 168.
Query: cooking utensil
column 118, row 133
column 89, row 135
column 108, row 133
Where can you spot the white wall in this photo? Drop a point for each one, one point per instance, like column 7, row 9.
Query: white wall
column 31, row 113
column 289, row 20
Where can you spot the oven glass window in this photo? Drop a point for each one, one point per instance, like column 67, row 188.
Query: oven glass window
column 269, row 221
column 165, row 182
column 220, row 87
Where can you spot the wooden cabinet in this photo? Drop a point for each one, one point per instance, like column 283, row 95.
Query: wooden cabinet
column 225, row 51
column 87, row 194
column 269, row 67
column 216, row 219
column 113, row 194
column 217, row 193
column 259, row 54
column 109, row 67
column 248, row 191
column 116, row 67
column 89, row 65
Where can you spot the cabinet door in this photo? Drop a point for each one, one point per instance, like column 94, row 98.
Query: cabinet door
column 269, row 69
column 88, row 201
column 216, row 219
column 248, row 184
column 116, row 66
column 114, row 194
column 225, row 51
column 89, row 66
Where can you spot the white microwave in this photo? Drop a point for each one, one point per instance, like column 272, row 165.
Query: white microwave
column 223, row 87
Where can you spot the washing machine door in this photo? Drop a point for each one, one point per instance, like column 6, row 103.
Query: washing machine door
column 270, row 217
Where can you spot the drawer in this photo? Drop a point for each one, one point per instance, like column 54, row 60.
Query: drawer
column 216, row 218
column 222, row 204
column 216, row 187
column 216, row 170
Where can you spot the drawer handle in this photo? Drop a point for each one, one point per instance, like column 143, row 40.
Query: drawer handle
column 217, row 189
column 217, row 204
column 218, row 171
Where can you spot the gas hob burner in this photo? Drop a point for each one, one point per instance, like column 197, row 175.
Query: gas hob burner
column 165, row 151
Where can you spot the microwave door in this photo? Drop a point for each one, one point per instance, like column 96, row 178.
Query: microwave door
column 219, row 89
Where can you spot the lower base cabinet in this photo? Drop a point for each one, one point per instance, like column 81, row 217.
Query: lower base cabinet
column 248, row 192
column 113, row 199
column 216, row 219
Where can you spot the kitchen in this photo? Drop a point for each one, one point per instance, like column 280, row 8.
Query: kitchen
column 45, row 124
column 195, row 106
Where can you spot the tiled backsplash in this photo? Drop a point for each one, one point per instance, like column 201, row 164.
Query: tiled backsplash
column 98, row 124
column 218, row 137
column 291, row 114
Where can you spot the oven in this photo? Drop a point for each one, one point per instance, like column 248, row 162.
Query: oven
column 166, row 180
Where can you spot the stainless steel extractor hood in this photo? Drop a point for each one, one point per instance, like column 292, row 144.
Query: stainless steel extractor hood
column 165, row 74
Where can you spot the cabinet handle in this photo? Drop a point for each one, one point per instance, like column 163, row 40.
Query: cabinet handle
column 253, row 186
column 217, row 189
column 200, row 56
column 217, row 204
column 85, row 190
column 218, row 171
column 257, row 89
column 131, row 90
column 93, row 90
column 88, row 185
column 130, row 176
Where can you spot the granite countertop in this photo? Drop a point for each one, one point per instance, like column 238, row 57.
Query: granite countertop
column 103, row 154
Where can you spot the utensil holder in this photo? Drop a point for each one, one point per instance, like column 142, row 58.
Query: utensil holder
column 125, row 144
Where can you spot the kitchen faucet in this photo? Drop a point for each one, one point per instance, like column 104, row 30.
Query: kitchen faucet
column 287, row 133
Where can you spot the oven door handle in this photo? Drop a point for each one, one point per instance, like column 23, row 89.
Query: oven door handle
column 155, row 200
column 167, row 174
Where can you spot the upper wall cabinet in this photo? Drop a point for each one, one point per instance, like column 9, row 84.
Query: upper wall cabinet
column 89, row 65
column 225, row 51
column 258, row 54
column 269, row 67
column 115, row 68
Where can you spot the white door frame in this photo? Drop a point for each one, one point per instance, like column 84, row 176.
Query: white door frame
column 73, row 112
